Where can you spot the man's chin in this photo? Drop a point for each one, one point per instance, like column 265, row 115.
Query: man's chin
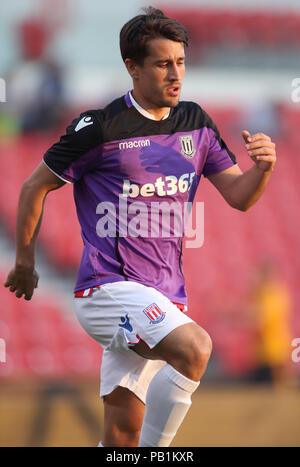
column 170, row 102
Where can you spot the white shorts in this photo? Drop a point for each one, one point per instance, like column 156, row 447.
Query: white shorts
column 118, row 315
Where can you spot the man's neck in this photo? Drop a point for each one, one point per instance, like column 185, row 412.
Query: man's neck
column 148, row 110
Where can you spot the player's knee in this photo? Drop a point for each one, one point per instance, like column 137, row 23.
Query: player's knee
column 198, row 355
column 205, row 348
column 195, row 355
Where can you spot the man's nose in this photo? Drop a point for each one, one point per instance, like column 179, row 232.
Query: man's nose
column 174, row 73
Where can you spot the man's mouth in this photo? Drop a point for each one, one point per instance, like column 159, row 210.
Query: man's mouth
column 173, row 91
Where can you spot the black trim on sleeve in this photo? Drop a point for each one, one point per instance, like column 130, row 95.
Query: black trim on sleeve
column 208, row 122
column 81, row 136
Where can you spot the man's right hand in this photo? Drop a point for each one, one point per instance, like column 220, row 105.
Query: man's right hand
column 22, row 280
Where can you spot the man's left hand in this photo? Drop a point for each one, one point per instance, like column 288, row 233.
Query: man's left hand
column 261, row 150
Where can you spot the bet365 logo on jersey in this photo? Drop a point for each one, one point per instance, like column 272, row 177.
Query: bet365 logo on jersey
column 163, row 186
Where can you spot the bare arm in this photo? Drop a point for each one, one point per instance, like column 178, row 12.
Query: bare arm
column 242, row 190
column 23, row 278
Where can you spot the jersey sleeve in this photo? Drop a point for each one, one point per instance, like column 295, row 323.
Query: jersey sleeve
column 78, row 150
column 219, row 157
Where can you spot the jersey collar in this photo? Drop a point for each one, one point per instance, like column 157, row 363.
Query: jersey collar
column 141, row 110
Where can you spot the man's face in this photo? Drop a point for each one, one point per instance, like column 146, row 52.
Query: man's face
column 159, row 79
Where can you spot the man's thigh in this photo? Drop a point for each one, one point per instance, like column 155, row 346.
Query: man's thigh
column 171, row 344
column 187, row 348
column 123, row 418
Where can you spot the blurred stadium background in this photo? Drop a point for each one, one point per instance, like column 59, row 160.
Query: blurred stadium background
column 61, row 57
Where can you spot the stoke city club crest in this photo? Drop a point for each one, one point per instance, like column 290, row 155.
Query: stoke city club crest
column 187, row 146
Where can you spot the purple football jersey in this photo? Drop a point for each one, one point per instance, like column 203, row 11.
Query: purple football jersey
column 133, row 178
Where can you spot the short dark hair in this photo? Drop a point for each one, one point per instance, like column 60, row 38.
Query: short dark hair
column 136, row 34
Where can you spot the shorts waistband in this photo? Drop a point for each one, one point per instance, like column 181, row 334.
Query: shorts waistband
column 88, row 292
column 85, row 292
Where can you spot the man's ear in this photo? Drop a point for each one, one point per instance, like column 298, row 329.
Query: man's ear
column 132, row 68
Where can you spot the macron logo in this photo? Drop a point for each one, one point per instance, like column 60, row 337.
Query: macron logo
column 134, row 144
column 85, row 121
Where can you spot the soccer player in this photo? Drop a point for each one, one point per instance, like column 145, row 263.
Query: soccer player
column 144, row 149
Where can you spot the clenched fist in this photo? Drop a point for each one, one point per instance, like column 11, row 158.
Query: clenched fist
column 261, row 150
column 22, row 280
